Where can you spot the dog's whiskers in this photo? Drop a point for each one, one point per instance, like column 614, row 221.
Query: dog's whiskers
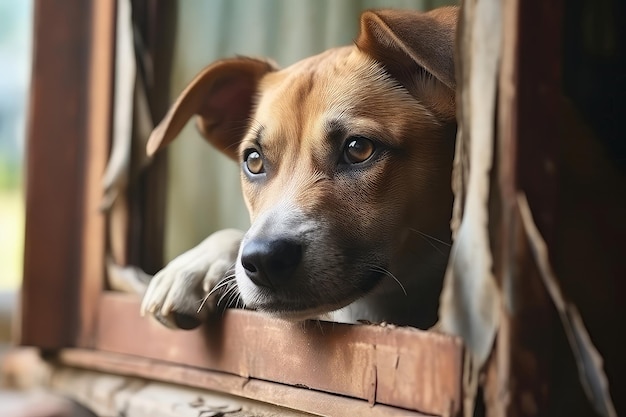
column 255, row 128
column 224, row 283
column 385, row 272
column 234, row 145
column 226, row 293
column 426, row 235
column 319, row 325
column 233, row 298
column 230, row 294
column 429, row 239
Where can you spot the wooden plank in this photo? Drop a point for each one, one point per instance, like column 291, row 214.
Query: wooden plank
column 68, row 139
column 519, row 377
column 502, row 209
column 295, row 398
column 55, row 173
column 97, row 142
column 109, row 395
column 401, row 367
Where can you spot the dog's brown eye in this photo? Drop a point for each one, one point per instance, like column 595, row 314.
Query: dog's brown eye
column 358, row 149
column 254, row 162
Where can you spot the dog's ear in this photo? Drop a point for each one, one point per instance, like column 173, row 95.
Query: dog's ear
column 417, row 49
column 222, row 96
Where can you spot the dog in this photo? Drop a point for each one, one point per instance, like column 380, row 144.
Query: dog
column 346, row 162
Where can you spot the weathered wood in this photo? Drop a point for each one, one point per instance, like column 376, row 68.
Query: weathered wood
column 402, row 367
column 519, row 377
column 97, row 142
column 498, row 370
column 55, row 173
column 295, row 398
column 68, row 139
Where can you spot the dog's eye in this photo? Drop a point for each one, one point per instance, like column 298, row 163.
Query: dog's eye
column 358, row 149
column 254, row 162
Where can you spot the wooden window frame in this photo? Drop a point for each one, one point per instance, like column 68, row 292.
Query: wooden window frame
column 85, row 326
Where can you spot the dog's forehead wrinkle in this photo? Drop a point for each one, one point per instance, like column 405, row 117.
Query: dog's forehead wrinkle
column 295, row 103
column 351, row 75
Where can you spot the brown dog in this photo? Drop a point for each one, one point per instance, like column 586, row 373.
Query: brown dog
column 345, row 165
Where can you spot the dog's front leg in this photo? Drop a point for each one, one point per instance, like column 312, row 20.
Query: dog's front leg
column 191, row 282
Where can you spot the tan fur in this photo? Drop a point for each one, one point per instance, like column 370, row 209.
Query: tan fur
column 357, row 224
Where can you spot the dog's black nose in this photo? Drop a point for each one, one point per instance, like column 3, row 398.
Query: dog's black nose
column 270, row 263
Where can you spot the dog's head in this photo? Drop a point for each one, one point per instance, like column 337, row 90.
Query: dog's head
column 345, row 159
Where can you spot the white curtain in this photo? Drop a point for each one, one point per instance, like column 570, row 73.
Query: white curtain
column 204, row 194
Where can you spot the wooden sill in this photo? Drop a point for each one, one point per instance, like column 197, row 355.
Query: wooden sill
column 68, row 379
column 399, row 367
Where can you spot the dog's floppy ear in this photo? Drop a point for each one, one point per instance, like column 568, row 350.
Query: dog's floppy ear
column 222, row 96
column 415, row 48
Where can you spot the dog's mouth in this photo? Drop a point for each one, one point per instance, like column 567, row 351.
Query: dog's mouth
column 303, row 304
column 299, row 312
column 295, row 314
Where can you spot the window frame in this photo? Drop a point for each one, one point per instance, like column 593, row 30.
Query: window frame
column 65, row 240
column 64, row 267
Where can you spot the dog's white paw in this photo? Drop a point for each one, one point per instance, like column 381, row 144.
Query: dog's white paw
column 176, row 294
